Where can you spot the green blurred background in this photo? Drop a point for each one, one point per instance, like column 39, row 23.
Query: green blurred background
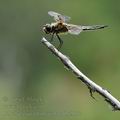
column 33, row 84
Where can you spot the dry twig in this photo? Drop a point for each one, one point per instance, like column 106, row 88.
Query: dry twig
column 93, row 87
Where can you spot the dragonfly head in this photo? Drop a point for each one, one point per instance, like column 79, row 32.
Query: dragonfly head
column 47, row 28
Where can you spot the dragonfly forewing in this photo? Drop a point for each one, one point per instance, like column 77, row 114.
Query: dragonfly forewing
column 59, row 17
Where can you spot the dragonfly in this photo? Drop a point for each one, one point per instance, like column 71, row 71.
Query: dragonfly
column 61, row 26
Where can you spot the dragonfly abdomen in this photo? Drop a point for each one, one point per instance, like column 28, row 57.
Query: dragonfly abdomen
column 94, row 27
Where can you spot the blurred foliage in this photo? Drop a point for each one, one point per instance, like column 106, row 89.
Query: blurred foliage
column 34, row 84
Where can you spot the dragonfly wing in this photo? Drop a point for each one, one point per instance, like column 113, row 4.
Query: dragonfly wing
column 74, row 29
column 59, row 17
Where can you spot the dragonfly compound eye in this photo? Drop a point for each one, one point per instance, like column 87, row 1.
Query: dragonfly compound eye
column 47, row 28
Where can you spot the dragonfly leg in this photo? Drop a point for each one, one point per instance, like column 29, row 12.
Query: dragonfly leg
column 52, row 37
column 61, row 42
